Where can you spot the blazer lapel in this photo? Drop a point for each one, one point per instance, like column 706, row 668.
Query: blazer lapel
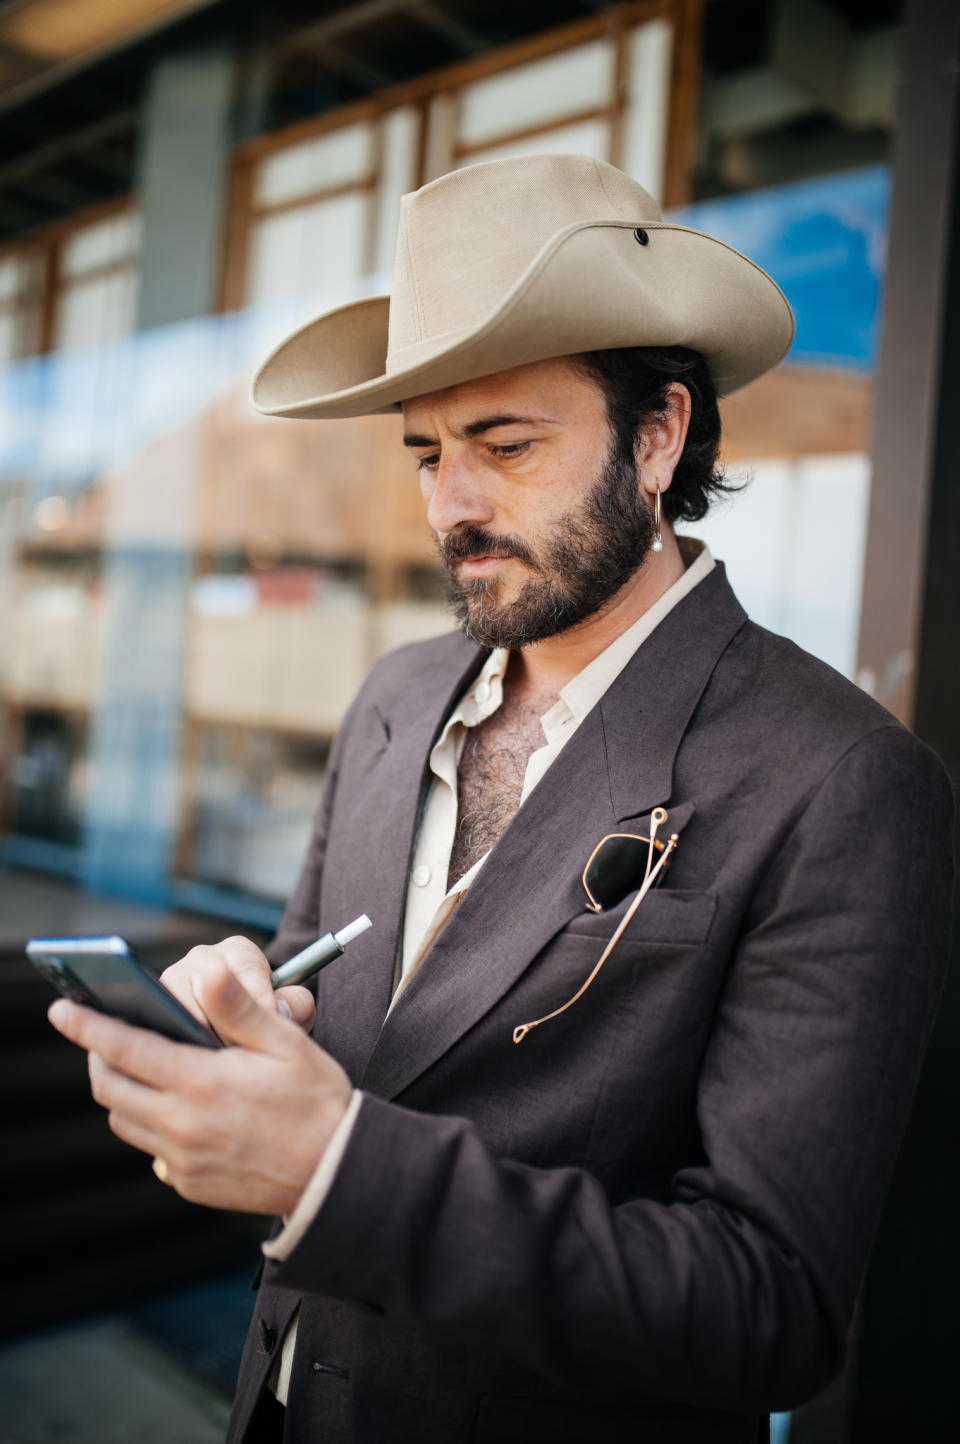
column 618, row 765
column 648, row 708
column 526, row 890
column 355, row 997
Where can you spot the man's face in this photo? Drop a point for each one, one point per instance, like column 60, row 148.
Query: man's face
column 539, row 520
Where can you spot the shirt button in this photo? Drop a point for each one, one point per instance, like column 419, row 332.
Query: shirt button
column 422, row 875
column 481, row 692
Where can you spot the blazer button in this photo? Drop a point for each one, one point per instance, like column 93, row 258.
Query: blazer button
column 268, row 1336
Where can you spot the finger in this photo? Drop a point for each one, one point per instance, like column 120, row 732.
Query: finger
column 134, row 1134
column 242, row 957
column 181, row 1127
column 137, row 1053
column 116, row 1091
column 124, row 1115
column 248, row 963
column 184, row 1180
column 177, row 980
column 238, row 1018
column 301, row 1003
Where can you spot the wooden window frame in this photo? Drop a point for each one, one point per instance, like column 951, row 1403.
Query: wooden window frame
column 685, row 18
column 28, row 303
column 46, row 244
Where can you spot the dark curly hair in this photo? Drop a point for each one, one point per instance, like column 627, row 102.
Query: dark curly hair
column 634, row 383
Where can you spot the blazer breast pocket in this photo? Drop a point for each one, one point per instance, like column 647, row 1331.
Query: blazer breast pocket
column 666, row 916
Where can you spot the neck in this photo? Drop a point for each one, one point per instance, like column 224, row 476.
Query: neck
column 547, row 666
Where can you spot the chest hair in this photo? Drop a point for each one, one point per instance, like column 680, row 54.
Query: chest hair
column 490, row 777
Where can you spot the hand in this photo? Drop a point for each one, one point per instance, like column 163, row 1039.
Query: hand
column 240, row 1127
column 247, row 963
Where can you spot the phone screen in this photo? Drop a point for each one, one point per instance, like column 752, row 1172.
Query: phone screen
column 104, row 973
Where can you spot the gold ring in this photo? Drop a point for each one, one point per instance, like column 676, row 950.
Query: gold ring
column 162, row 1171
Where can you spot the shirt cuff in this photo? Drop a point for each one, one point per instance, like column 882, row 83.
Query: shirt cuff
column 319, row 1185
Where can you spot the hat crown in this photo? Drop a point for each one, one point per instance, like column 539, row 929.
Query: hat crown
column 466, row 239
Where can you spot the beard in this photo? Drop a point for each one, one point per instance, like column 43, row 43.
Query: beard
column 593, row 552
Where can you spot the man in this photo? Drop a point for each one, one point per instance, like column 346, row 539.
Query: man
column 564, row 1166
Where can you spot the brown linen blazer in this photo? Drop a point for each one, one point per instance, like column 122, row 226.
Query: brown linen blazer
column 648, row 1221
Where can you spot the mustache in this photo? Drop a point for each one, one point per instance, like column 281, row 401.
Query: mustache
column 473, row 541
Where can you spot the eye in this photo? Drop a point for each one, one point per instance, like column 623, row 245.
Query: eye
column 510, row 449
column 428, row 463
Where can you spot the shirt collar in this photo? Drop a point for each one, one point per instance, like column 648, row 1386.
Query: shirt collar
column 582, row 692
column 482, row 697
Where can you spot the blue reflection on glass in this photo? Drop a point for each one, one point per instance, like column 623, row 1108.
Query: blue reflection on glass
column 824, row 243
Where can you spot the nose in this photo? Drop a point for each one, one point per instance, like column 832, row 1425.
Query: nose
column 455, row 493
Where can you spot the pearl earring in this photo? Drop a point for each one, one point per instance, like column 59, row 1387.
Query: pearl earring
column 657, row 538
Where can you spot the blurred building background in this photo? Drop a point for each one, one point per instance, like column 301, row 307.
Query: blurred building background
column 190, row 594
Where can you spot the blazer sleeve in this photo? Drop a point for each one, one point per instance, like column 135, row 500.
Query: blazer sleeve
column 736, row 1292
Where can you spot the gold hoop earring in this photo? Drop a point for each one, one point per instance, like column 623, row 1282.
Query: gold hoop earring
column 657, row 545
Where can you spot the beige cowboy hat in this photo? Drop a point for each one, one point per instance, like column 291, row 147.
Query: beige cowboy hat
column 521, row 260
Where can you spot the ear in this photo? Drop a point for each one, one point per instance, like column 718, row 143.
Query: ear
column 660, row 444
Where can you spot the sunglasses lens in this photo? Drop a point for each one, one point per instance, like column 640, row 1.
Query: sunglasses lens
column 616, row 868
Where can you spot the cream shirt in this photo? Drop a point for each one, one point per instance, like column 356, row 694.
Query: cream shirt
column 430, row 903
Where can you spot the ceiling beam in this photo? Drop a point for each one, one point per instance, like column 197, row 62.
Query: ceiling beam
column 361, row 72
column 64, row 146
column 115, row 161
column 54, row 188
column 341, row 22
column 467, row 41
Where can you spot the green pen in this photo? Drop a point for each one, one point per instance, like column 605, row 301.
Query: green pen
column 311, row 959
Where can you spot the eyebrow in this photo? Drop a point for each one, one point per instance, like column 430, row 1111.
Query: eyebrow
column 477, row 428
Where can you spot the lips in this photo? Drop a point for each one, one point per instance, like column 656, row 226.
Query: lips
column 479, row 566
column 471, row 544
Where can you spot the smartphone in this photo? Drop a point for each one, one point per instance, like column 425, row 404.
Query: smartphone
column 103, row 973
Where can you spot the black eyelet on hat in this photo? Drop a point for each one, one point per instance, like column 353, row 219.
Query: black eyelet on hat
column 641, row 237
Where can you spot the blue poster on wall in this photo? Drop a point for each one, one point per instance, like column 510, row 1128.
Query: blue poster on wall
column 824, row 243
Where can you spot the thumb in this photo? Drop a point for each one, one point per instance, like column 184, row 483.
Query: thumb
column 237, row 1017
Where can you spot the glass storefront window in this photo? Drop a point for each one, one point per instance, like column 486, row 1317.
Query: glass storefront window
column 253, row 795
column 46, row 791
column 192, row 595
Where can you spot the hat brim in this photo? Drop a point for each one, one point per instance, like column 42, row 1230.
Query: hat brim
column 591, row 287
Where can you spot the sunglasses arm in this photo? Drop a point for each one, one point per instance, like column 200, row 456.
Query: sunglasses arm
column 520, row 1032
